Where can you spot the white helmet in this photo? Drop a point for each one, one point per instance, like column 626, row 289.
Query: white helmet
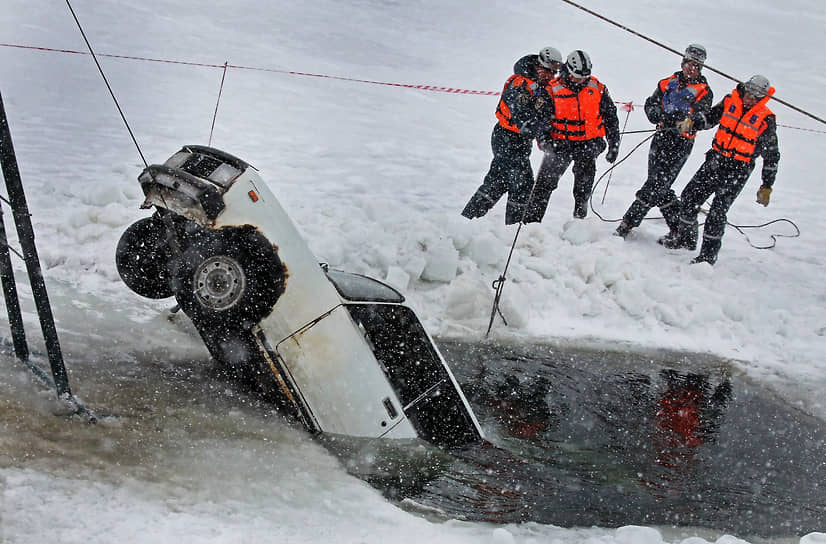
column 579, row 64
column 695, row 53
column 548, row 56
column 758, row 86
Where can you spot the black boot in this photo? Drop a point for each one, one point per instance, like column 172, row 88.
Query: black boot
column 515, row 212
column 478, row 205
column 623, row 229
column 684, row 238
column 671, row 214
column 668, row 239
column 688, row 234
column 708, row 251
column 580, row 209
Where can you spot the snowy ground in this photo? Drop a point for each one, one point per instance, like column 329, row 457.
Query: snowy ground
column 375, row 177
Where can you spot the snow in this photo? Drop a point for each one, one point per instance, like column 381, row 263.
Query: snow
column 375, row 177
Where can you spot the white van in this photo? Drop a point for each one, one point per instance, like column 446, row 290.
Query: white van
column 342, row 351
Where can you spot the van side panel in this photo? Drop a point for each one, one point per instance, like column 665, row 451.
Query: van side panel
column 308, row 294
column 337, row 373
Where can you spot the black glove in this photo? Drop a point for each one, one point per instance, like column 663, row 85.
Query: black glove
column 613, row 151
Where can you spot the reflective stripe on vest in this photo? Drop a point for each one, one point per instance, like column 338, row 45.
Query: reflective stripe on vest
column 738, row 132
column 503, row 112
column 577, row 115
column 681, row 100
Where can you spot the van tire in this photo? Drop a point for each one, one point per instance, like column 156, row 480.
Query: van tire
column 142, row 258
column 229, row 277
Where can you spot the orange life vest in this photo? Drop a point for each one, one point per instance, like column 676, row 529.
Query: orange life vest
column 577, row 115
column 503, row 112
column 738, row 132
column 695, row 91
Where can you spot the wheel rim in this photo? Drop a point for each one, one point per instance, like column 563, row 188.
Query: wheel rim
column 219, row 283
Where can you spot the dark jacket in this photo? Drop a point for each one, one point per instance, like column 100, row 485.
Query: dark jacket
column 654, row 104
column 766, row 147
column 527, row 105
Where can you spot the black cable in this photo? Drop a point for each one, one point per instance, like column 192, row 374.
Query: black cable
column 706, row 66
column 220, row 91
column 625, row 124
column 167, row 221
column 738, row 228
column 774, row 237
column 596, row 183
column 499, row 283
column 111, row 92
column 8, row 246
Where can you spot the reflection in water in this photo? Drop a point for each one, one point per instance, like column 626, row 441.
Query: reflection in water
column 688, row 414
column 575, row 439
column 590, row 438
column 523, row 410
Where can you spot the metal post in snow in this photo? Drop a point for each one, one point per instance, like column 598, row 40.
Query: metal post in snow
column 18, row 332
column 25, row 233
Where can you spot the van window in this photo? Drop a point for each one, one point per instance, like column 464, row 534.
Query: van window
column 416, row 372
column 358, row 288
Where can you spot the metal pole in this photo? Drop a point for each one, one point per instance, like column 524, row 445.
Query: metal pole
column 629, row 108
column 25, row 233
column 18, row 332
column 217, row 102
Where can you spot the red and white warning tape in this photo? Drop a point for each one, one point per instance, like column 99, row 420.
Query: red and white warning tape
column 624, row 106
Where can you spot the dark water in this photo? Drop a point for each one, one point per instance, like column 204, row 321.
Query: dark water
column 576, row 439
column 601, row 438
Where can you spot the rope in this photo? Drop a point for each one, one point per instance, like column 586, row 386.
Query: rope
column 431, row 88
column 774, row 237
column 220, row 91
column 738, row 228
column 611, row 169
column 111, row 92
column 499, row 283
column 628, row 111
column 639, row 131
column 706, row 66
column 167, row 221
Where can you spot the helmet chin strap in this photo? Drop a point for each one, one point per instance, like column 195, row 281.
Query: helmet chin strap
column 574, row 85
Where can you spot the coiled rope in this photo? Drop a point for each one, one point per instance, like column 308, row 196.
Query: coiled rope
column 738, row 228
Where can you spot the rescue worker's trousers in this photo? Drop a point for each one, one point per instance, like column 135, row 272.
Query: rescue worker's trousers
column 510, row 172
column 666, row 157
column 719, row 176
column 556, row 160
